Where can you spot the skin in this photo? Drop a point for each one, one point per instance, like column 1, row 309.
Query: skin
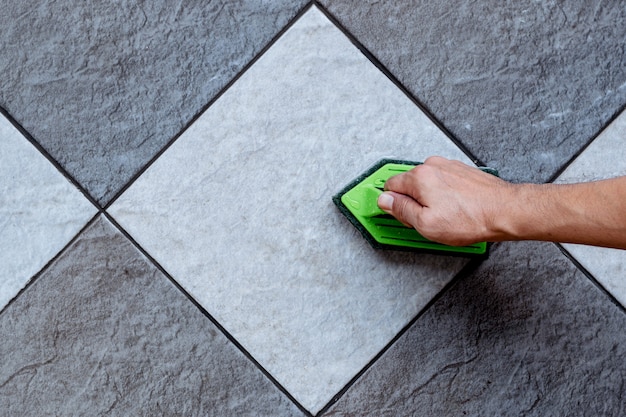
column 452, row 203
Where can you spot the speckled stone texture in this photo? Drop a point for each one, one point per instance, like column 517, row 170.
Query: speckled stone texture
column 103, row 86
column 40, row 211
column 103, row 332
column 523, row 84
column 239, row 211
column 526, row 334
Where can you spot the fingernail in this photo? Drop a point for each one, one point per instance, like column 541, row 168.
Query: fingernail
column 385, row 201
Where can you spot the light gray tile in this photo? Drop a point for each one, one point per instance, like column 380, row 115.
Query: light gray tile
column 103, row 86
column 40, row 211
column 524, row 85
column 526, row 334
column 604, row 158
column 103, row 332
column 239, row 211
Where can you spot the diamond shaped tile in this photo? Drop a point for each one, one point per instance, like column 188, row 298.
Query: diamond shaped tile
column 604, row 158
column 40, row 211
column 103, row 86
column 103, row 332
column 524, row 85
column 239, row 211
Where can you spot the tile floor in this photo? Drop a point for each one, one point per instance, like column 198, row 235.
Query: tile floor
column 168, row 241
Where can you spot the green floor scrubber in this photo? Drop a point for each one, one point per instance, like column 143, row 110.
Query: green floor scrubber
column 358, row 202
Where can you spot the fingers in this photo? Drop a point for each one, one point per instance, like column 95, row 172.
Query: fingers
column 400, row 206
column 411, row 182
column 435, row 172
column 406, row 183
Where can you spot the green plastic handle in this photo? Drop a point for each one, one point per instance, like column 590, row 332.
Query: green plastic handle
column 363, row 200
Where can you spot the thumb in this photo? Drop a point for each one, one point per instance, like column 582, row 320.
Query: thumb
column 400, row 206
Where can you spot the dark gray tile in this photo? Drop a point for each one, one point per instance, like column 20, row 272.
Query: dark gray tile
column 522, row 84
column 526, row 334
column 103, row 86
column 102, row 331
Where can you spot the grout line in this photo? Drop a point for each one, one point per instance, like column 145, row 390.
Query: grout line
column 37, row 275
column 68, row 177
column 49, row 157
column 381, row 67
column 566, row 165
column 216, row 97
column 591, row 277
column 467, row 270
column 208, row 315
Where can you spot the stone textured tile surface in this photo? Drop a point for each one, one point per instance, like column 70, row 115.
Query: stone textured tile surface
column 239, row 211
column 40, row 211
column 103, row 332
column 526, row 334
column 104, row 85
column 524, row 85
column 604, row 158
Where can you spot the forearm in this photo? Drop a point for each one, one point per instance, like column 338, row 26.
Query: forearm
column 452, row 203
column 591, row 213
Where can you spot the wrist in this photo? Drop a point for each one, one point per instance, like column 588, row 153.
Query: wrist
column 514, row 218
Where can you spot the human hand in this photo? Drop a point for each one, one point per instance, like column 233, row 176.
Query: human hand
column 448, row 202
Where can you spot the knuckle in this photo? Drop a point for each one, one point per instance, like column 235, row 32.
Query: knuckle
column 399, row 207
column 434, row 160
column 418, row 171
column 402, row 211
